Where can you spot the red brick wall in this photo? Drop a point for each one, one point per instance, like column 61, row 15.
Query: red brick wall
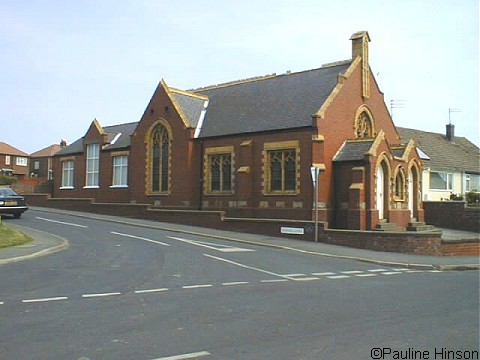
column 452, row 215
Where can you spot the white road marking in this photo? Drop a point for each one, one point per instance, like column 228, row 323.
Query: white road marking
column 366, row 275
column 139, row 237
column 101, row 295
column 391, row 273
column 150, row 291
column 45, row 299
column 1, row 303
column 293, row 275
column 196, row 286
column 377, row 270
column 352, row 272
column 323, row 273
column 62, row 222
column 249, row 267
column 185, row 356
column 212, row 246
column 434, row 271
column 338, row 277
column 273, row 280
column 306, row 279
column 235, row 283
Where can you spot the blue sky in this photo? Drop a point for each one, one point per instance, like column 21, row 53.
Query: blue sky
column 64, row 63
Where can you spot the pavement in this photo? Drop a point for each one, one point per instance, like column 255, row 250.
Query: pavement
column 45, row 243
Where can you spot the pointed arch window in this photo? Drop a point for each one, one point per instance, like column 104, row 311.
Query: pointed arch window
column 400, row 185
column 364, row 126
column 160, row 153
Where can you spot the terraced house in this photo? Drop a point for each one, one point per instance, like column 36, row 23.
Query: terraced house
column 247, row 147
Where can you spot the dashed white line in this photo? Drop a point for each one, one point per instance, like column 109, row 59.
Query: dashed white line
column 1, row 303
column 365, row 275
column 338, row 277
column 352, row 272
column 235, row 283
column 323, row 273
column 147, row 291
column 273, row 280
column 391, row 273
column 101, row 295
column 196, row 286
column 306, row 279
column 293, row 275
column 377, row 270
column 140, row 238
column 45, row 299
column 185, row 356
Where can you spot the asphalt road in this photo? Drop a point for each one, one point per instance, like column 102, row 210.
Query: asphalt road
column 127, row 292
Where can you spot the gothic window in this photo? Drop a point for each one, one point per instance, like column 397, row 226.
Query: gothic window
column 364, row 128
column 220, row 172
column 400, row 185
column 160, row 153
column 282, row 166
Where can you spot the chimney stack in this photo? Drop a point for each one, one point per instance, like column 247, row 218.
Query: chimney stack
column 63, row 143
column 360, row 42
column 450, row 133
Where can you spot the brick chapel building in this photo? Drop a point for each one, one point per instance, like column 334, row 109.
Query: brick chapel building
column 247, row 148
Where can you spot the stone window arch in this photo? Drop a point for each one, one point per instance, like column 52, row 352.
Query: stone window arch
column 364, row 125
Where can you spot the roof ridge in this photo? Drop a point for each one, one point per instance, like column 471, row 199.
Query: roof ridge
column 268, row 76
column 188, row 93
column 129, row 123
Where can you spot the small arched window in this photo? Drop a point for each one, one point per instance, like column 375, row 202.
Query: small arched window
column 400, row 185
column 364, row 126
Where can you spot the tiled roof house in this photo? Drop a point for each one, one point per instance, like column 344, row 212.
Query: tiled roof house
column 248, row 147
column 451, row 164
column 13, row 161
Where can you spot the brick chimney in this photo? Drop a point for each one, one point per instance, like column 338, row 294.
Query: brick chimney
column 360, row 42
column 450, row 133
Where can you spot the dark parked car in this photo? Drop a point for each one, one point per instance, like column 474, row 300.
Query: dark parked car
column 11, row 203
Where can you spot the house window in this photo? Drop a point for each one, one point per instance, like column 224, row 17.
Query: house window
column 441, row 181
column 281, row 161
column 120, row 171
column 218, row 170
column 67, row 174
column 36, row 165
column 400, row 185
column 7, row 160
column 472, row 182
column 92, row 165
column 22, row 161
column 160, row 158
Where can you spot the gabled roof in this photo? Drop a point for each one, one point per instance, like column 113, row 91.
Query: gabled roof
column 6, row 149
column 273, row 102
column 353, row 150
column 46, row 152
column 190, row 104
column 118, row 138
column 456, row 156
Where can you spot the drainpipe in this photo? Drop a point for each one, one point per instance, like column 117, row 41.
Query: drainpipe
column 201, row 180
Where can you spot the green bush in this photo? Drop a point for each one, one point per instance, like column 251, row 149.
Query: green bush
column 472, row 197
column 7, row 180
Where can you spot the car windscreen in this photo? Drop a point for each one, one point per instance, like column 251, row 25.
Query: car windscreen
column 7, row 192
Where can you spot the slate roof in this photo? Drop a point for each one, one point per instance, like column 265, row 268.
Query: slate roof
column 191, row 105
column 457, row 156
column 122, row 142
column 6, row 149
column 353, row 150
column 270, row 103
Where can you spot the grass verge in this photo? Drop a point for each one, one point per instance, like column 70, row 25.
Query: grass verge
column 11, row 237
